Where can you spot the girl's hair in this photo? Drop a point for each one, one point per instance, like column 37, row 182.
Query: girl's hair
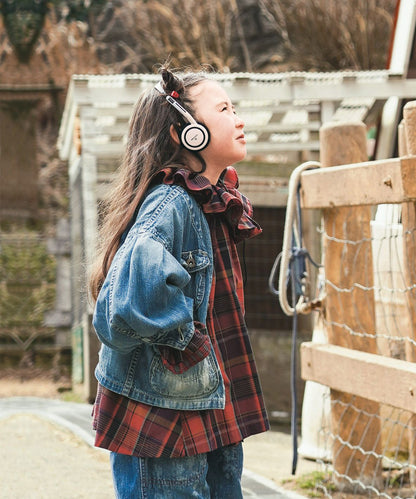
column 149, row 149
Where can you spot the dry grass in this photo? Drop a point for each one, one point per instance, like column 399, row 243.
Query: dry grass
column 229, row 35
column 321, row 35
column 189, row 32
column 328, row 35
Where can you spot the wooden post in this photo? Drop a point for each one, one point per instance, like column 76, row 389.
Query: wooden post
column 408, row 144
column 348, row 261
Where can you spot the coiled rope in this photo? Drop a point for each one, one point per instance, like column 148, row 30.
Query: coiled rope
column 292, row 263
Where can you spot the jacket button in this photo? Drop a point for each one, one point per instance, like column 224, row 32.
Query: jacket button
column 190, row 261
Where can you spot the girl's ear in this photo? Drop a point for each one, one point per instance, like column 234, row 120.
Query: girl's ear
column 174, row 134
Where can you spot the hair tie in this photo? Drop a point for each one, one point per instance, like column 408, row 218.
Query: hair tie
column 174, row 94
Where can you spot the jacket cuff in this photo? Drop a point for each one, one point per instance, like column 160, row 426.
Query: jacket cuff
column 179, row 361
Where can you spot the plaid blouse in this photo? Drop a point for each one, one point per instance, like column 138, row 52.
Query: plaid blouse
column 129, row 427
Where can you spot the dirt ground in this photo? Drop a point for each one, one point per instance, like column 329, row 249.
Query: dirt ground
column 42, row 460
column 49, row 454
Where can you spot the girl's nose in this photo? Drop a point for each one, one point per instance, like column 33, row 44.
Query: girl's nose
column 238, row 121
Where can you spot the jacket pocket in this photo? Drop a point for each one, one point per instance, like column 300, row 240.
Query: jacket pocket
column 198, row 381
column 179, row 361
column 196, row 263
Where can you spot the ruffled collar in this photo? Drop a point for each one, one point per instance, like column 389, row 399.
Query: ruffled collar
column 223, row 197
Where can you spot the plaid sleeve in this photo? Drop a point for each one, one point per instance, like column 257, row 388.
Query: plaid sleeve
column 179, row 361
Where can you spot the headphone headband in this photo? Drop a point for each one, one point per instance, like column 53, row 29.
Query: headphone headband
column 175, row 103
column 181, row 109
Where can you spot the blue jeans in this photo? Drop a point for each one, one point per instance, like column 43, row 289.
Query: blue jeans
column 215, row 475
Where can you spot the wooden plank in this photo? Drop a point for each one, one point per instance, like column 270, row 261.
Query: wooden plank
column 91, row 128
column 407, row 145
column 360, row 373
column 275, row 106
column 403, row 88
column 107, row 150
column 123, row 112
column 115, row 149
column 360, row 184
column 272, row 147
column 287, row 127
column 345, row 266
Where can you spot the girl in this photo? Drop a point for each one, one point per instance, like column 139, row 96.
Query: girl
column 178, row 387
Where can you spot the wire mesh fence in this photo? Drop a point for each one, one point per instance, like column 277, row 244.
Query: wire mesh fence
column 368, row 448
column 392, row 471
column 366, row 358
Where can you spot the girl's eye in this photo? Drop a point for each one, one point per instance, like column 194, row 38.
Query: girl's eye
column 227, row 108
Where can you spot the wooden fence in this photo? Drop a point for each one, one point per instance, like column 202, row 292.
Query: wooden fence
column 364, row 377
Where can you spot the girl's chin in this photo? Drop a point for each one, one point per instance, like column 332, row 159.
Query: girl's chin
column 243, row 155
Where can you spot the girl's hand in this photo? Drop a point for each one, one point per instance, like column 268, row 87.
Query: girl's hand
column 178, row 361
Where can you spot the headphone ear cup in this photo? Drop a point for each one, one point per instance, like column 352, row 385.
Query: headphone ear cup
column 194, row 137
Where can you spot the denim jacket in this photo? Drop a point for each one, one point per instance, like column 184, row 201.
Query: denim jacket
column 156, row 291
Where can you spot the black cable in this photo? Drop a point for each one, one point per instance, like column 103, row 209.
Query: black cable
column 298, row 264
column 293, row 369
column 297, row 272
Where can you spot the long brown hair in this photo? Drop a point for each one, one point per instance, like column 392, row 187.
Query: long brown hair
column 149, row 149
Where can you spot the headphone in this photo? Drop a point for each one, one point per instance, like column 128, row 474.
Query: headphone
column 193, row 136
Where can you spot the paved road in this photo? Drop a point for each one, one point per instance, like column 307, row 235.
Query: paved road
column 77, row 418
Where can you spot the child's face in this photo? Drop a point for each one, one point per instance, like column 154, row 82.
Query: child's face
column 227, row 144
